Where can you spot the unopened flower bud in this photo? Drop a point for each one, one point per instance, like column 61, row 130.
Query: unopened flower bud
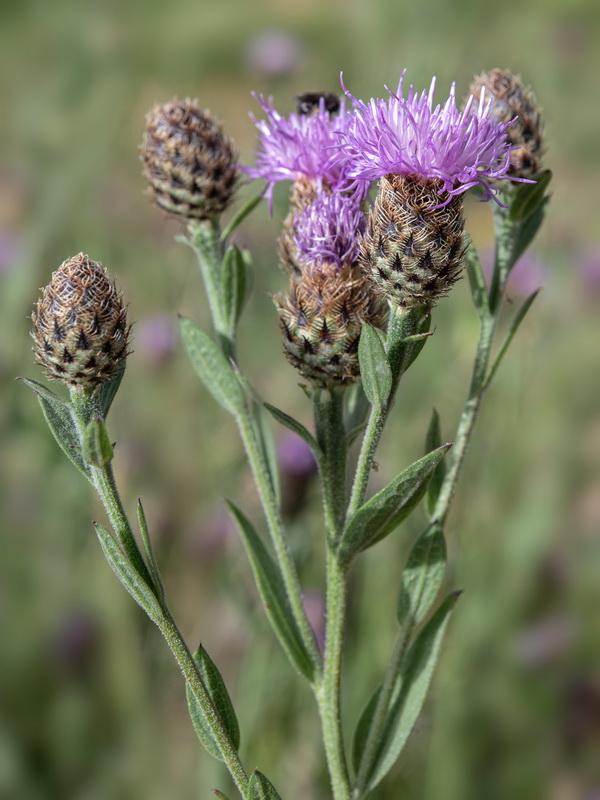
column 413, row 248
column 80, row 325
column 511, row 99
column 190, row 163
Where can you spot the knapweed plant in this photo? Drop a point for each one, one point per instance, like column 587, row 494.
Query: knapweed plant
column 363, row 279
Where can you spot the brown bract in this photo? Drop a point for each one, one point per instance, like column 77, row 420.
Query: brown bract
column 413, row 252
column 80, row 325
column 512, row 99
column 189, row 162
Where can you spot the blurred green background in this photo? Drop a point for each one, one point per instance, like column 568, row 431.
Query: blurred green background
column 91, row 704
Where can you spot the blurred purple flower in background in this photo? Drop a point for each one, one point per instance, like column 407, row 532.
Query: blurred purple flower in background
column 274, row 53
column 528, row 275
column 10, row 250
column 588, row 262
column 155, row 338
column 75, row 643
column 298, row 468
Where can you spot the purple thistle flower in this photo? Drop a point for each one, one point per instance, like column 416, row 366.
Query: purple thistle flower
column 301, row 146
column 327, row 231
column 405, row 136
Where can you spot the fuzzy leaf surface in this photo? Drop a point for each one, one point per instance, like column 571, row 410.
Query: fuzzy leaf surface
column 150, row 557
column 106, row 391
column 422, row 577
column 375, row 371
column 272, row 592
column 385, row 511
column 233, row 285
column 477, row 281
column 261, row 788
column 215, row 686
column 413, row 683
column 433, row 440
column 58, row 416
column 529, row 197
column 96, row 449
column 128, row 574
column 213, row 368
column 293, row 425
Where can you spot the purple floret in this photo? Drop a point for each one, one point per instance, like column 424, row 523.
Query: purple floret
column 326, row 231
column 301, row 146
column 408, row 135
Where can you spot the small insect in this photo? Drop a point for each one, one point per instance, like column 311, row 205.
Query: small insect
column 308, row 102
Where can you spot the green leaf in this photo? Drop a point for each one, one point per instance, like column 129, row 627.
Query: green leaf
column 385, row 511
column 272, row 592
column 375, row 371
column 150, row 557
column 128, row 575
column 363, row 728
column 241, row 215
column 57, row 414
column 233, row 285
column 355, row 412
column 220, row 794
column 293, row 425
column 215, row 686
column 213, row 368
column 422, row 577
column 529, row 196
column 477, row 281
column 106, row 391
column 266, row 440
column 433, row 440
column 527, row 230
column 96, row 449
column 261, row 788
column 413, row 682
column 518, row 319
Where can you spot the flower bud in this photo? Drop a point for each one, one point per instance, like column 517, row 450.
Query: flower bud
column 190, row 163
column 80, row 325
column 413, row 248
column 511, row 99
column 321, row 319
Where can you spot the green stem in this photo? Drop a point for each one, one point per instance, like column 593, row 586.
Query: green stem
column 205, row 240
column 328, row 690
column 401, row 324
column 272, row 514
column 331, row 437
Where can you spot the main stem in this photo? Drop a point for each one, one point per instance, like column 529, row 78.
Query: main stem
column 328, row 692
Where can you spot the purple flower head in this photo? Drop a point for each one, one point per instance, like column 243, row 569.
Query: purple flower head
column 327, row 230
column 409, row 135
column 301, row 146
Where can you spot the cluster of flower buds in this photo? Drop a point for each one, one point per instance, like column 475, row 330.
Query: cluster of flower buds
column 425, row 157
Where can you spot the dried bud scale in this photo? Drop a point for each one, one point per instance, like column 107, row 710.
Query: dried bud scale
column 414, row 247
column 189, row 162
column 512, row 100
column 80, row 325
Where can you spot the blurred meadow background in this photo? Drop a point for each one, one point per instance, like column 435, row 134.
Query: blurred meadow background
column 91, row 704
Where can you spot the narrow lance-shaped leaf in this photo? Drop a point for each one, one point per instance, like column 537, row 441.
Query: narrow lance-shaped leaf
column 233, row 285
column 525, row 231
column 518, row 319
column 96, row 449
column 106, row 391
column 433, row 440
column 266, row 439
column 261, row 788
column 477, row 281
column 385, row 511
column 215, row 686
column 213, row 368
column 241, row 215
column 355, row 412
column 417, row 341
column 295, row 426
column 272, row 592
column 150, row 557
column 375, row 372
column 422, row 577
column 128, row 575
column 413, row 683
column 529, row 196
column 58, row 415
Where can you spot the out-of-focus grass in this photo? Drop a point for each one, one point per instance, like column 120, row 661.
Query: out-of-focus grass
column 92, row 704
